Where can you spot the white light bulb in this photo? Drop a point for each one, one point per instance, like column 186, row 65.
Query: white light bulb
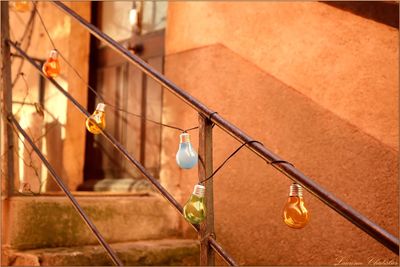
column 186, row 157
column 133, row 16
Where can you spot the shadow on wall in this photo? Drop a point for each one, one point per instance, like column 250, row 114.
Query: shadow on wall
column 386, row 12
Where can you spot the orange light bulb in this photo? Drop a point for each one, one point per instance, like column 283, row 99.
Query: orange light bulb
column 295, row 214
column 51, row 68
column 97, row 121
column 20, row 6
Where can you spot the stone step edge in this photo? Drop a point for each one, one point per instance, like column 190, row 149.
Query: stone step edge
column 53, row 222
column 143, row 252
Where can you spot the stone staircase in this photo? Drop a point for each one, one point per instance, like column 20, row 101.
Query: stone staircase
column 143, row 230
column 174, row 252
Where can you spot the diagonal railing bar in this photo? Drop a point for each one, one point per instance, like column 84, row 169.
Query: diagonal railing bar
column 214, row 244
column 352, row 215
column 72, row 199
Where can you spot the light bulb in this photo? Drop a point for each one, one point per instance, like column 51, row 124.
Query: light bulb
column 295, row 214
column 20, row 6
column 186, row 157
column 97, row 121
column 133, row 16
column 194, row 210
column 24, row 187
column 51, row 68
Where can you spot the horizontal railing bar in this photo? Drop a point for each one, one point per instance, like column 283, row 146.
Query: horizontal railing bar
column 120, row 148
column 359, row 220
column 66, row 191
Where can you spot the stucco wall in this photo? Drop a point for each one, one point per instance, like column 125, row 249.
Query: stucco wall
column 66, row 125
column 300, row 109
column 63, row 125
column 339, row 60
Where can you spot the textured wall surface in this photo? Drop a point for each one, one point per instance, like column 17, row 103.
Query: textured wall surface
column 62, row 124
column 341, row 61
column 72, row 41
column 316, row 85
column 249, row 200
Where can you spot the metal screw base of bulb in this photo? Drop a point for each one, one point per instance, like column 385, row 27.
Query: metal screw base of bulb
column 295, row 190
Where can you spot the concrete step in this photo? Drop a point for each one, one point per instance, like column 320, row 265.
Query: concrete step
column 175, row 252
column 51, row 221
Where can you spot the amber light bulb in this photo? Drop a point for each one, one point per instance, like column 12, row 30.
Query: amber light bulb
column 51, row 68
column 20, row 6
column 97, row 121
column 295, row 214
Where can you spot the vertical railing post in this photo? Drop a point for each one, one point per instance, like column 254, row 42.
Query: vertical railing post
column 205, row 170
column 8, row 143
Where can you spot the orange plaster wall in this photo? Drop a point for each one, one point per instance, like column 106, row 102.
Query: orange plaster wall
column 249, row 194
column 72, row 40
column 341, row 61
column 251, row 68
column 74, row 144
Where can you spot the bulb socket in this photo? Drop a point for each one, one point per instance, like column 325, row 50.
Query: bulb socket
column 295, row 190
column 184, row 138
column 53, row 54
column 101, row 107
column 199, row 190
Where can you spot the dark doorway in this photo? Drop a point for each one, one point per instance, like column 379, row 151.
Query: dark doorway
column 123, row 85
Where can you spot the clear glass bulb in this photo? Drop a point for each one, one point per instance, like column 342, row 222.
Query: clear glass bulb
column 186, row 157
column 194, row 210
column 20, row 6
column 295, row 214
column 51, row 68
column 97, row 121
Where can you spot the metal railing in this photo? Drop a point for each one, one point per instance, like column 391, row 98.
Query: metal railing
column 289, row 170
column 207, row 117
column 65, row 189
column 210, row 239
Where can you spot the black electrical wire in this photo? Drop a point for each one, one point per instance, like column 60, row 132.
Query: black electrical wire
column 93, row 90
column 139, row 116
column 236, row 151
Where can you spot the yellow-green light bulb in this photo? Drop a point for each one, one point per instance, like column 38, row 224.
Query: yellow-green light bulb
column 194, row 210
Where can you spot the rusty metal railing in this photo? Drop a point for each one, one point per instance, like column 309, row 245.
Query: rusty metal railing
column 290, row 171
column 115, row 259
column 359, row 220
column 210, row 239
column 206, row 117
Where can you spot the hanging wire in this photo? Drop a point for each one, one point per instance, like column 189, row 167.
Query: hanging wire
column 101, row 98
column 26, row 34
column 236, row 151
column 42, row 22
column 228, row 158
column 139, row 116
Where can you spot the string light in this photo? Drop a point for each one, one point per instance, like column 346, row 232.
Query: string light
column 186, row 157
column 92, row 89
column 194, row 210
column 295, row 214
column 51, row 68
column 97, row 121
